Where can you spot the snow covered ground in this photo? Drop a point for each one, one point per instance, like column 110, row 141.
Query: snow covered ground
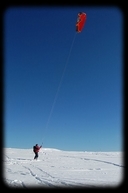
column 56, row 168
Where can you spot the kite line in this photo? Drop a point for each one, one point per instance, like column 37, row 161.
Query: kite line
column 60, row 83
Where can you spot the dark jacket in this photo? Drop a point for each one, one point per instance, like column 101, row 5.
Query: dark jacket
column 36, row 148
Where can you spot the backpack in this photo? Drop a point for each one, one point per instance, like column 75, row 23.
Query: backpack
column 34, row 148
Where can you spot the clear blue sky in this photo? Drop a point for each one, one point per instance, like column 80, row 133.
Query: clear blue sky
column 79, row 108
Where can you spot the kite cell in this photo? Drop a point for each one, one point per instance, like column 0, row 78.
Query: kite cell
column 81, row 19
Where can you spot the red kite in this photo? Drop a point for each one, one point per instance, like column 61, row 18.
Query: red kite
column 80, row 21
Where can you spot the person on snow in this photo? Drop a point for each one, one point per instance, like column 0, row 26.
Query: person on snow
column 36, row 149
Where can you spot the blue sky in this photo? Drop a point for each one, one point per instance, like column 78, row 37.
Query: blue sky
column 63, row 88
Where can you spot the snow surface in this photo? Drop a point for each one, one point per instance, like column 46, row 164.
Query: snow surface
column 56, row 168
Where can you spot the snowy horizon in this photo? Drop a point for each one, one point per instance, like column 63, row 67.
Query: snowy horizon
column 57, row 168
column 57, row 149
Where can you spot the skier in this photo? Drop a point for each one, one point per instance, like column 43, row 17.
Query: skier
column 36, row 149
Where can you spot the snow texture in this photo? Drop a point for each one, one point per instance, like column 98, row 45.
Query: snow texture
column 67, row 169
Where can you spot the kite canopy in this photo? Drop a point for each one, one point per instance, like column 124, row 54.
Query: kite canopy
column 81, row 19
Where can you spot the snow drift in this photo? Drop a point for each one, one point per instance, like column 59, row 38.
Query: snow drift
column 57, row 168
